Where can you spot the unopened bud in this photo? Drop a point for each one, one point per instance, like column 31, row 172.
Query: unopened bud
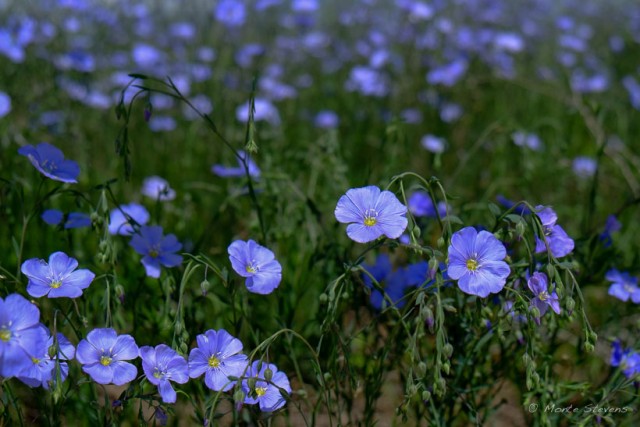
column 204, row 287
column 447, row 350
column 570, row 303
column 268, row 374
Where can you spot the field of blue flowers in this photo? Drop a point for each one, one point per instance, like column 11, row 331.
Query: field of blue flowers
column 319, row 213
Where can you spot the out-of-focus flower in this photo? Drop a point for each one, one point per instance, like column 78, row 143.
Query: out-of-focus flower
column 5, row 104
column 433, row 144
column 371, row 213
column 121, row 217
column 529, row 140
column 158, row 188
column 448, row 74
column 77, row 220
column 624, row 286
column 326, row 119
column 265, row 111
column 239, row 171
column 584, row 167
column 231, row 13
column 58, row 278
column 629, row 361
column 420, row 204
column 50, row 161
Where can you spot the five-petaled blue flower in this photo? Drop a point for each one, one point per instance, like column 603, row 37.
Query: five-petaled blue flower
column 266, row 392
column 161, row 365
column 120, row 218
column 257, row 264
column 157, row 249
column 560, row 244
column 624, row 286
column 371, row 213
column 476, row 262
column 218, row 357
column 19, row 331
column 539, row 285
column 42, row 370
column 103, row 354
column 58, row 278
column 50, row 161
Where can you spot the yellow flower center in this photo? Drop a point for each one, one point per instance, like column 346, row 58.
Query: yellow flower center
column 250, row 268
column 35, row 360
column 105, row 360
column 56, row 284
column 5, row 335
column 214, row 362
column 370, row 217
column 260, row 391
column 157, row 374
column 543, row 296
column 472, row 264
column 153, row 253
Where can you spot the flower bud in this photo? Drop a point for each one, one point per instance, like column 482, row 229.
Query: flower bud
column 588, row 347
column 447, row 350
column 446, row 368
column 251, row 382
column 204, row 287
column 268, row 374
column 120, row 293
column 426, row 395
column 323, row 298
column 238, row 396
column 570, row 303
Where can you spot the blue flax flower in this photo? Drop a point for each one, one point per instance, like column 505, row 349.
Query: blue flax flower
column 628, row 360
column 158, row 188
column 611, row 226
column 476, row 262
column 393, row 282
column 239, row 171
column 218, row 357
column 257, row 264
column 624, row 286
column 560, row 244
column 103, row 354
column 52, row 216
column 42, row 369
column 371, row 213
column 162, row 365
column 266, row 392
column 121, row 217
column 19, row 331
column 57, row 278
column 539, row 285
column 77, row 220
column 50, row 161
column 157, row 249
column 420, row 204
